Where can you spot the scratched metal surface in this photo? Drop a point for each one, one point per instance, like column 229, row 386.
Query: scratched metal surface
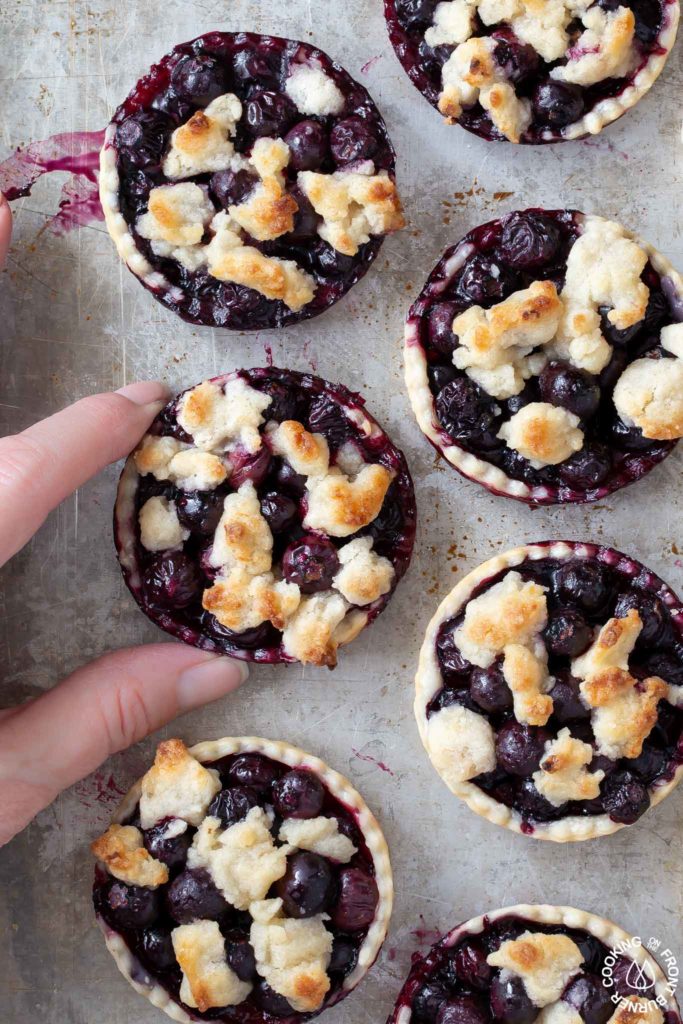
column 73, row 321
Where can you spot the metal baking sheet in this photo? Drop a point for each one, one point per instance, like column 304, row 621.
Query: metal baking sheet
column 74, row 321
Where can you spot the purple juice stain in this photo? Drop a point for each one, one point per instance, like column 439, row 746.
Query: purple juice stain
column 75, row 153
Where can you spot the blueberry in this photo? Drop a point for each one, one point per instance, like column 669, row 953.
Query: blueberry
column 193, row 895
column 232, row 805
column 434, row 57
column 583, row 584
column 614, row 335
column 306, row 220
column 289, row 480
column 416, row 13
column 461, row 1010
column 592, row 951
column 170, row 850
column 298, row 794
column 171, row 580
column 528, row 394
column 240, row 956
column 652, row 614
column 587, row 468
column 388, row 526
column 533, row 806
column 247, row 466
column 307, row 885
column 327, row 418
column 464, row 410
column 625, row 797
column 255, row 772
column 353, row 139
column 230, row 188
column 566, row 697
column 657, row 312
column 628, row 980
column 529, row 240
column 567, row 633
column 429, row 999
column 650, row 764
column 648, row 14
column 357, row 900
column 271, row 1001
column 510, row 1003
column 451, row 661
column 309, row 146
column 262, row 67
column 311, row 562
column 557, row 104
column 517, row 60
column 156, row 947
column 332, row 263
column 484, row 281
column 489, row 689
column 200, row 511
column 132, row 906
column 269, row 114
column 470, row 966
column 440, row 326
column 564, row 385
column 199, row 79
column 519, row 748
column 590, row 998
column 142, row 139
column 278, row 510
column 440, row 376
column 284, row 401
column 344, row 957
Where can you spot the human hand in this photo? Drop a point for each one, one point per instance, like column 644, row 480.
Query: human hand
column 56, row 739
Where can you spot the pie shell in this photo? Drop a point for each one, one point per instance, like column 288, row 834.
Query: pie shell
column 428, row 682
column 423, row 402
column 341, row 788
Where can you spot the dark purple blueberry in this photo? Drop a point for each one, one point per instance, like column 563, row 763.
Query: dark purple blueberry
column 232, row 805
column 353, row 139
column 529, row 240
column 230, row 188
column 573, row 389
column 156, row 947
column 517, row 60
column 200, row 511
column 170, row 850
column 171, row 580
column 657, row 312
column 470, row 966
column 533, row 806
column 132, row 906
column 451, row 661
column 519, row 748
column 462, row 1010
column 247, row 466
column 428, row 1000
column 528, row 394
column 587, row 468
column 332, row 263
column 327, row 418
column 592, row 951
column 306, row 220
column 255, row 772
column 652, row 614
column 309, row 146
column 416, row 13
column 614, row 335
column 193, row 896
column 567, row 633
column 566, row 697
column 590, row 998
column 434, row 57
column 278, row 510
column 311, row 563
column 464, row 410
column 440, row 376
column 509, row 1002
column 600, row 763
column 262, row 636
column 306, row 887
column 489, row 689
column 625, row 797
column 289, row 480
column 284, row 401
column 440, row 320
column 271, row 1001
column 484, row 281
column 629, row 980
column 142, row 139
column 258, row 67
column 344, row 957
column 649, row 765
column 630, row 438
column 240, row 956
column 357, row 901
column 558, row 104
column 583, row 584
column 298, row 794
column 269, row 114
column 610, row 374
column 199, row 79
column 648, row 15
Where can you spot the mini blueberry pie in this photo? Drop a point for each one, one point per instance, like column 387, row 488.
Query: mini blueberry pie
column 552, row 965
column 549, row 694
column 532, row 71
column 248, row 181
column 265, row 515
column 544, row 356
column 242, row 880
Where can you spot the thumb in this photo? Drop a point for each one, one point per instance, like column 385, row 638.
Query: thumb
column 5, row 229
column 53, row 741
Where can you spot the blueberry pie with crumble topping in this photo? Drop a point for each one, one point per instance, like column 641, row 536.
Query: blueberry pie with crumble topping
column 544, row 356
column 549, row 694
column 242, row 880
column 532, row 71
column 265, row 515
column 248, row 181
column 553, row 965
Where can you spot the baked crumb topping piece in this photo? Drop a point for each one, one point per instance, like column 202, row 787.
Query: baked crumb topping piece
column 176, row 786
column 319, row 835
column 219, row 416
column 603, row 50
column 649, row 394
column 243, row 538
column 292, row 955
column 269, row 210
column 160, row 528
column 563, row 774
column 339, row 506
column 208, row 981
column 544, row 434
column 461, row 744
column 202, row 145
column 311, row 634
column 641, row 1012
column 313, row 92
column 364, row 575
column 526, row 673
column 353, row 205
column 545, row 963
column 510, row 612
column 188, row 468
column 122, row 852
column 307, row 454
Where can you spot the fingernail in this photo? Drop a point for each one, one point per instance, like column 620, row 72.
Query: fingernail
column 210, row 680
column 145, row 392
column 3, row 201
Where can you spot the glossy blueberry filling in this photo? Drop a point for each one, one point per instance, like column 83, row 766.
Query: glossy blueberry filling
column 582, row 594
column 504, row 256
column 255, row 69
column 453, row 983
column 312, row 885
column 171, row 584
column 555, row 105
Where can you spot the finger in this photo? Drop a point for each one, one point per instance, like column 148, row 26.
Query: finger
column 44, row 464
column 57, row 739
column 5, row 229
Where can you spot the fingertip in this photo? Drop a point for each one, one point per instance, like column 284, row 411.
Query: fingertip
column 145, row 392
column 209, row 680
column 5, row 228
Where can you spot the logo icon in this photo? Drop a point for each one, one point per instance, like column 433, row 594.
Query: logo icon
column 645, row 988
